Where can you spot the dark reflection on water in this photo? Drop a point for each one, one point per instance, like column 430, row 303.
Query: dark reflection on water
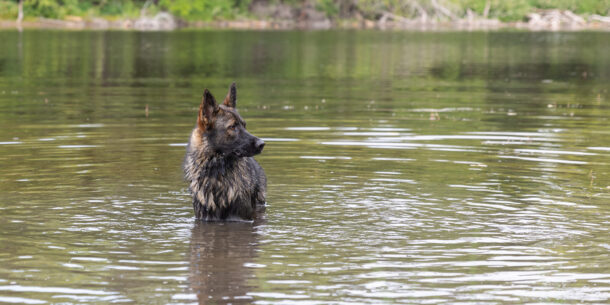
column 222, row 258
column 403, row 168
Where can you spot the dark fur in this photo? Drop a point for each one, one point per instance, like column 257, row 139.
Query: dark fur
column 225, row 181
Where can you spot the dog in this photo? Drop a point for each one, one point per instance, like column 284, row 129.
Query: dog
column 224, row 179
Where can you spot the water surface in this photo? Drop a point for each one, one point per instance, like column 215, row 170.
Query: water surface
column 403, row 167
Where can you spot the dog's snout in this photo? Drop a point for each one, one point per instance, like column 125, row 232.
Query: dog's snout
column 259, row 145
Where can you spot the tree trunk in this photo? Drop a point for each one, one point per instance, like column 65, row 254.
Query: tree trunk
column 20, row 15
column 443, row 10
column 420, row 10
column 486, row 10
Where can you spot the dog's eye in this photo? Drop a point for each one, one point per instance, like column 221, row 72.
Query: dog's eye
column 233, row 127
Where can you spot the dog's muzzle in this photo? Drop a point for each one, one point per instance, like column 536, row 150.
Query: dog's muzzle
column 258, row 146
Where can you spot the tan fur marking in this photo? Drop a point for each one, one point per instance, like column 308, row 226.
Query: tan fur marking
column 195, row 138
column 231, row 194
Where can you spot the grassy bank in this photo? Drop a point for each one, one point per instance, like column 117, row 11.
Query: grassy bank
column 335, row 12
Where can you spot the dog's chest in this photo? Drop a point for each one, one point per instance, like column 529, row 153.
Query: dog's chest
column 219, row 184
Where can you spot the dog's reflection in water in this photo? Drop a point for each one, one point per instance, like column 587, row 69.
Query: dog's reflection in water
column 221, row 258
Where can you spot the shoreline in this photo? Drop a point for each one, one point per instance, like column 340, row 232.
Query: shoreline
column 165, row 22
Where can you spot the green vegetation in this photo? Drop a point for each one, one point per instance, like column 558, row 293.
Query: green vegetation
column 515, row 10
column 8, row 9
column 60, row 9
column 205, row 10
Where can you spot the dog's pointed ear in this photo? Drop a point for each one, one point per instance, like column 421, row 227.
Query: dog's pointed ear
column 231, row 99
column 207, row 110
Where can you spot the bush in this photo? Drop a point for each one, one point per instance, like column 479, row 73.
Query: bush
column 205, row 9
column 601, row 7
column 328, row 7
column 8, row 10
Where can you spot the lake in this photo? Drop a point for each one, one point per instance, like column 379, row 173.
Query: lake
column 403, row 167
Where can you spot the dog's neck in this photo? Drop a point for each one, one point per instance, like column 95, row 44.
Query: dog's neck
column 209, row 161
column 217, row 164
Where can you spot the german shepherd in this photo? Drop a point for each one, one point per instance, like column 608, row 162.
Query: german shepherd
column 225, row 181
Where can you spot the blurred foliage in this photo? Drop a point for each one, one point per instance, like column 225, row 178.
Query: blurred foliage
column 328, row 7
column 8, row 9
column 60, row 9
column 515, row 10
column 205, row 10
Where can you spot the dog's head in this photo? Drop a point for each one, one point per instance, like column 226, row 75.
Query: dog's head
column 224, row 129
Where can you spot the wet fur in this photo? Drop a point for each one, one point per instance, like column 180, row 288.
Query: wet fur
column 224, row 179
